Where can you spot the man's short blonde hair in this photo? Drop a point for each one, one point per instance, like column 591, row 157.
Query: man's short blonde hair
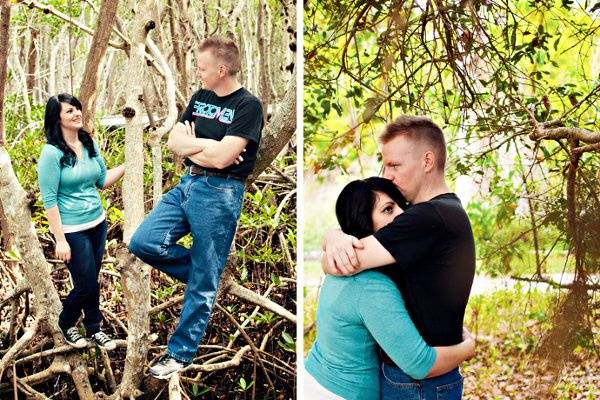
column 225, row 50
column 418, row 128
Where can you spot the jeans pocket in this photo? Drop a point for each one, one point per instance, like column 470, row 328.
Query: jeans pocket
column 394, row 386
column 450, row 391
column 221, row 184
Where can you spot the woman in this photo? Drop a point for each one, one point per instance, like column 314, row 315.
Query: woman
column 70, row 169
column 356, row 314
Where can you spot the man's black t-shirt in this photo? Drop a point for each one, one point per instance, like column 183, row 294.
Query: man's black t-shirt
column 237, row 114
column 432, row 243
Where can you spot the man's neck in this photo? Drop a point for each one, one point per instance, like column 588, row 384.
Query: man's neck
column 430, row 189
column 227, row 86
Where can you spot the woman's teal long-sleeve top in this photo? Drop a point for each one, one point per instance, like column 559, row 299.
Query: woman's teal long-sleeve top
column 72, row 188
column 355, row 314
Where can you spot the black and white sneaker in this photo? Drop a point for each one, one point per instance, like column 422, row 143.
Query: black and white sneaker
column 74, row 338
column 103, row 341
column 166, row 367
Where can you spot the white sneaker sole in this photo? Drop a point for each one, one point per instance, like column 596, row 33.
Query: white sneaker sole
column 108, row 348
column 78, row 346
column 167, row 376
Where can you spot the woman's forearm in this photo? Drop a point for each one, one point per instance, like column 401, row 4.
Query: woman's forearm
column 55, row 224
column 113, row 175
column 449, row 357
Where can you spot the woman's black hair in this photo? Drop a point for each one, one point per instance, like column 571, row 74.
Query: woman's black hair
column 54, row 134
column 355, row 204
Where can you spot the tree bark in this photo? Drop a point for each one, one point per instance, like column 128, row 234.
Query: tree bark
column 157, row 134
column 18, row 66
column 263, row 70
column 278, row 132
column 93, row 65
column 135, row 275
column 180, row 37
column 46, row 303
column 31, row 63
column 4, row 37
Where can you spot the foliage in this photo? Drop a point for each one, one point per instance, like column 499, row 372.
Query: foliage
column 266, row 239
column 481, row 69
column 508, row 324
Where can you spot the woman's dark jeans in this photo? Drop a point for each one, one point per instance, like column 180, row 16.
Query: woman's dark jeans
column 397, row 385
column 87, row 249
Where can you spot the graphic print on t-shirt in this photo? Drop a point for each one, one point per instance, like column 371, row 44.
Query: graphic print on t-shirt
column 210, row 111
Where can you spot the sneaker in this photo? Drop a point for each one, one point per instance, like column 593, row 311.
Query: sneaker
column 166, row 367
column 103, row 341
column 74, row 338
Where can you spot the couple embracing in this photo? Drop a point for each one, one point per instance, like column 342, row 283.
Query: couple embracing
column 222, row 122
column 400, row 269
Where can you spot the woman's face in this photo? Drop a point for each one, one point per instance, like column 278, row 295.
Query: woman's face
column 70, row 117
column 384, row 210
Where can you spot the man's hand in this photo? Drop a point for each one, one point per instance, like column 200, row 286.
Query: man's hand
column 189, row 129
column 340, row 250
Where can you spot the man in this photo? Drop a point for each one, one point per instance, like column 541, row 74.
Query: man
column 430, row 245
column 221, row 121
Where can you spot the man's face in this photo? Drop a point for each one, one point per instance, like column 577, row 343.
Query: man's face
column 403, row 164
column 210, row 71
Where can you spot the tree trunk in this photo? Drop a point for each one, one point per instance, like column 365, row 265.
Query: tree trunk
column 95, row 61
column 278, row 132
column 135, row 274
column 31, row 59
column 46, row 303
column 157, row 134
column 263, row 70
column 4, row 32
column 22, row 84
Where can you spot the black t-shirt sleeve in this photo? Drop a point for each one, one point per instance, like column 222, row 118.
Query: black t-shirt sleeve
column 247, row 121
column 188, row 113
column 412, row 235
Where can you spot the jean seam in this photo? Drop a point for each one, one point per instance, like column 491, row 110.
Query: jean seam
column 451, row 385
column 170, row 354
column 224, row 190
column 400, row 384
column 163, row 243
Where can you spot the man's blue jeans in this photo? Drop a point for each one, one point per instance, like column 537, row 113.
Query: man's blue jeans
column 208, row 207
column 396, row 385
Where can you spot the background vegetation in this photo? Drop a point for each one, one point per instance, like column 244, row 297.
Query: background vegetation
column 49, row 45
column 515, row 87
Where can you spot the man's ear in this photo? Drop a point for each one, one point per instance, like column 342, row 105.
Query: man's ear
column 429, row 161
column 222, row 70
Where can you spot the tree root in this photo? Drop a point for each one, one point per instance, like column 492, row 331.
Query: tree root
column 234, row 288
column 29, row 391
column 234, row 362
column 23, row 341
column 21, row 288
column 249, row 341
column 174, row 388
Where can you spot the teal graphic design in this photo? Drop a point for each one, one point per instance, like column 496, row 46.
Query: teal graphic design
column 210, row 111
